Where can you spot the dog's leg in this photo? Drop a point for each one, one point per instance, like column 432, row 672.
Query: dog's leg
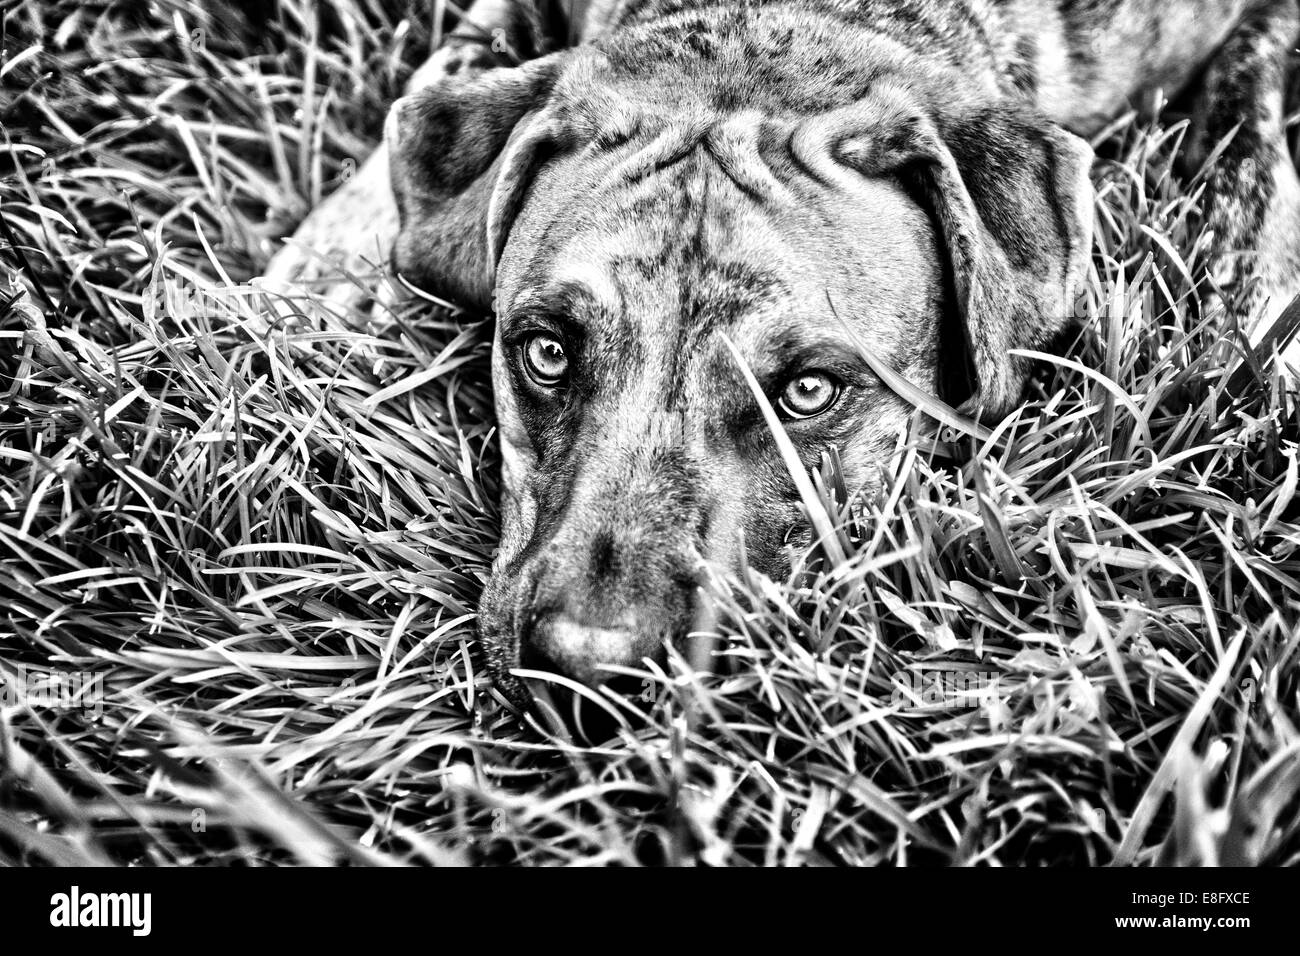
column 352, row 231
column 1253, row 193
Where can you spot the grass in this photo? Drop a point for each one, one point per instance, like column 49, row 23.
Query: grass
column 1070, row 640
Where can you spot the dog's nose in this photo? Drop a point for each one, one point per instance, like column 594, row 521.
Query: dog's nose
column 561, row 644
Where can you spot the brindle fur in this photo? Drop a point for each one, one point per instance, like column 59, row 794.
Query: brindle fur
column 698, row 172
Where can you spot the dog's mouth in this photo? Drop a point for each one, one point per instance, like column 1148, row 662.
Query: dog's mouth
column 590, row 716
column 610, row 700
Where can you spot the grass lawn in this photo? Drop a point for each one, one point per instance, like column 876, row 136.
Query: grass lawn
column 240, row 560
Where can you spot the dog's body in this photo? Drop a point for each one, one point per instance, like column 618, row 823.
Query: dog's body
column 794, row 180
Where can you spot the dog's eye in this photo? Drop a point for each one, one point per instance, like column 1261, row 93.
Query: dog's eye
column 545, row 360
column 809, row 394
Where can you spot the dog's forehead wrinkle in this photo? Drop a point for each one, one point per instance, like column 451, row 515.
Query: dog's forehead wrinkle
column 733, row 140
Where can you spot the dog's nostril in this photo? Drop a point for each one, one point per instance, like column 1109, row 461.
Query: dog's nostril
column 533, row 657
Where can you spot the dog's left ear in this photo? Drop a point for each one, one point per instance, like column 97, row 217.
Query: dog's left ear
column 1011, row 195
column 1014, row 201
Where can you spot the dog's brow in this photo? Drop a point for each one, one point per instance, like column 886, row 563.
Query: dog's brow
column 787, row 355
column 561, row 298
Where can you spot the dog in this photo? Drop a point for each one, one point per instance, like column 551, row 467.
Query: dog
column 643, row 191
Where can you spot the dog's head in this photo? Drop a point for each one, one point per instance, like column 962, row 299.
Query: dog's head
column 625, row 234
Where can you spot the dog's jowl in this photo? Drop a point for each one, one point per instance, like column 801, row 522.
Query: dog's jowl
column 636, row 186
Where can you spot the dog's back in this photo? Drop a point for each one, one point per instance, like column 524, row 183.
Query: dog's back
column 1080, row 61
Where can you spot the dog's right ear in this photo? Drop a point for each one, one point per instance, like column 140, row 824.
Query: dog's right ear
column 462, row 152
